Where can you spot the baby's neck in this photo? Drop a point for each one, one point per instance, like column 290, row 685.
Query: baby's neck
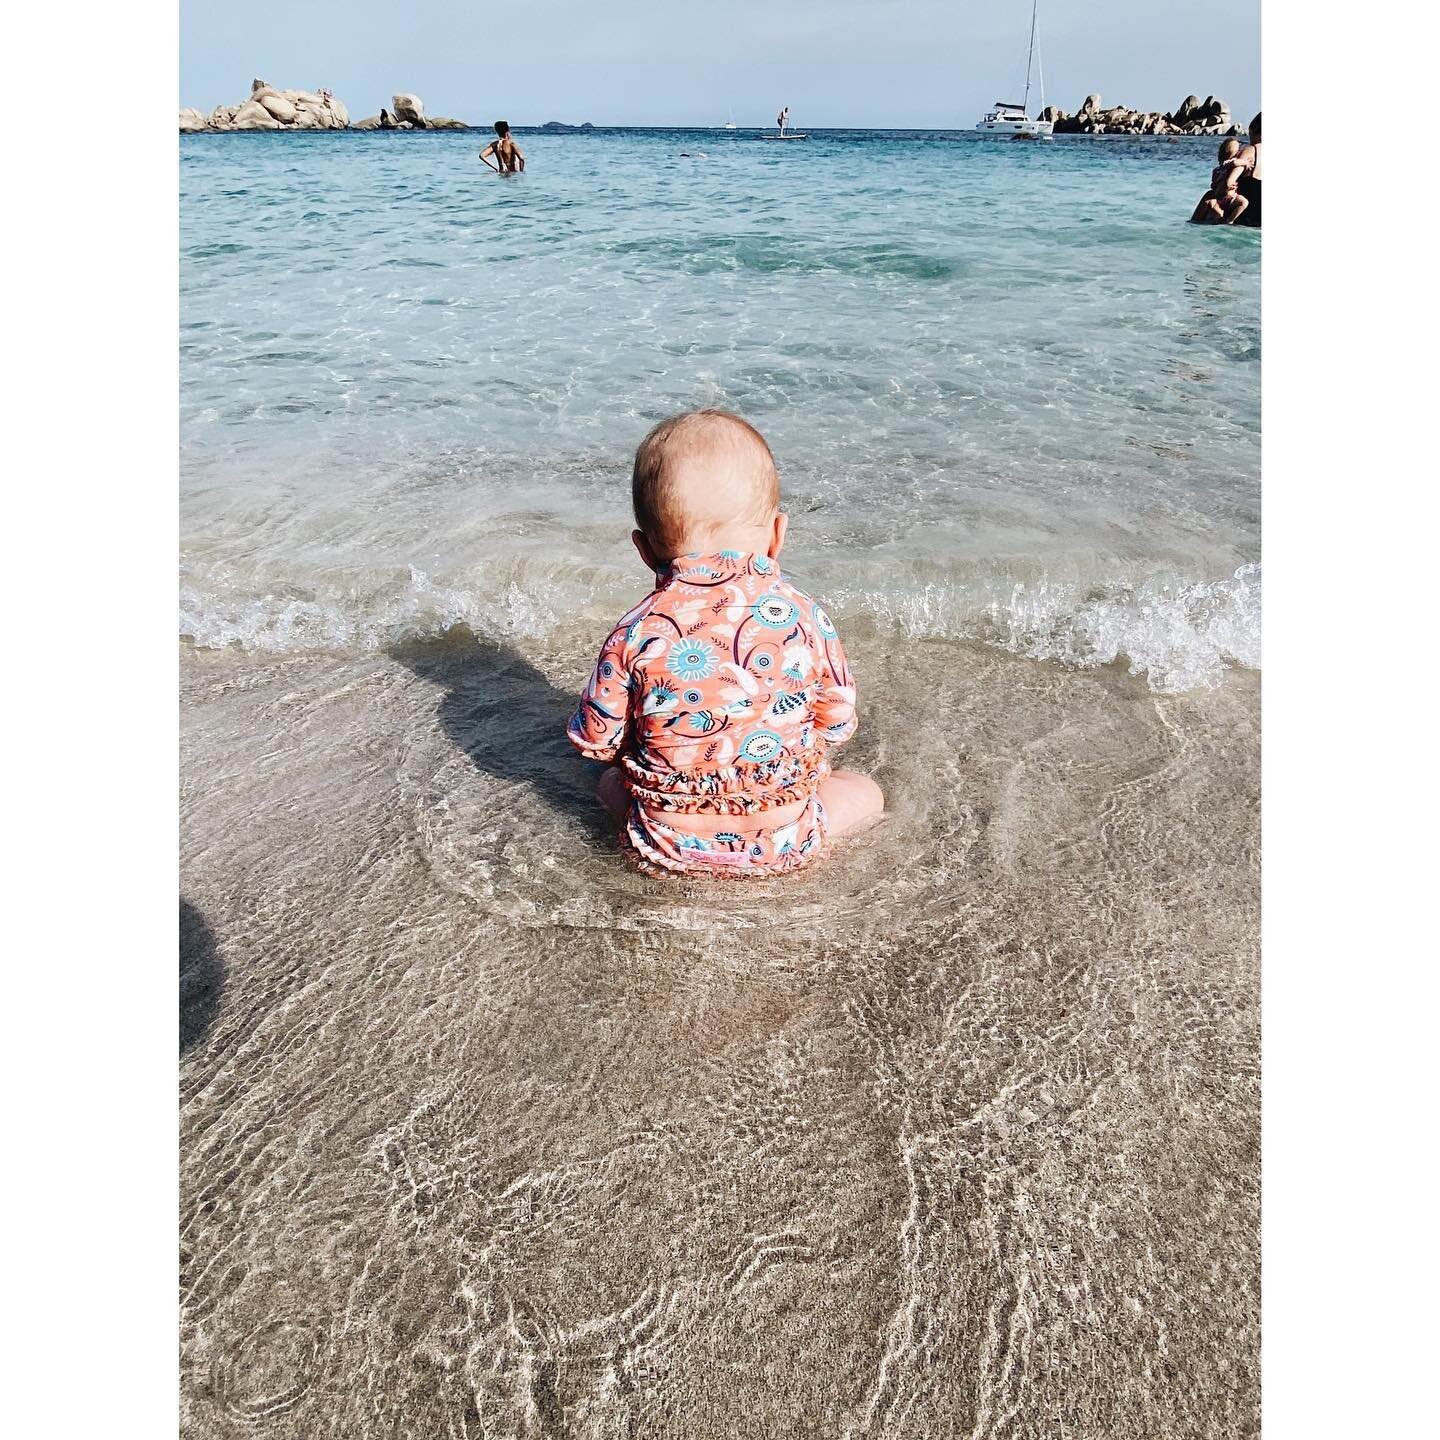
column 742, row 542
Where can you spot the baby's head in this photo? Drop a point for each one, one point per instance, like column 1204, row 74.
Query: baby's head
column 1229, row 149
column 705, row 481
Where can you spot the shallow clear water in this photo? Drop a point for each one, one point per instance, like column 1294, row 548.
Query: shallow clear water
column 1014, row 397
column 484, row 1133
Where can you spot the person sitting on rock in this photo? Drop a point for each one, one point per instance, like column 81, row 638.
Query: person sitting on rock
column 1222, row 203
column 505, row 150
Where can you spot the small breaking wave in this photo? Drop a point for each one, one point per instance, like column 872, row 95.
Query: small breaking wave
column 1178, row 635
column 374, row 618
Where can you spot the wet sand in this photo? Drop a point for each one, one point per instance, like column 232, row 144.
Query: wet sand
column 485, row 1134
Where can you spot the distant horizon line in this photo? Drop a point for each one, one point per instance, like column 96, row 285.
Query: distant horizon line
column 578, row 127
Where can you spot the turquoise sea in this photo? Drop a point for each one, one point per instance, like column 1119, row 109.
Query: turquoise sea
column 1014, row 397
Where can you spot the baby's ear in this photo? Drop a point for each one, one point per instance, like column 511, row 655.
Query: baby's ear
column 646, row 553
column 781, row 524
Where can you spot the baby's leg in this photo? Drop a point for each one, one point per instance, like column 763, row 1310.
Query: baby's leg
column 851, row 801
column 613, row 795
column 1236, row 208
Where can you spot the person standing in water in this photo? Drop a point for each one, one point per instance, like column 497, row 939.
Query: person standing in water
column 783, row 119
column 508, row 159
column 1249, row 182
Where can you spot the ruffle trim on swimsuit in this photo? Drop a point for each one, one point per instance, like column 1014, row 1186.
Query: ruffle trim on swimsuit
column 745, row 788
column 694, row 856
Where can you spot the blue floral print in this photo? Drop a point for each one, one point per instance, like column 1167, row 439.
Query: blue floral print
column 761, row 745
column 692, row 660
column 775, row 612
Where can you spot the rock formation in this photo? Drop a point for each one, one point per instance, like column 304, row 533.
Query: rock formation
column 272, row 109
column 1191, row 117
column 409, row 114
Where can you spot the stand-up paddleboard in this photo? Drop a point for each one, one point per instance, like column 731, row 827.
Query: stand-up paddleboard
column 785, row 137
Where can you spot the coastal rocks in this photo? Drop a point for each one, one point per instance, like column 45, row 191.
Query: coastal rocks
column 252, row 115
column 272, row 109
column 1207, row 117
column 409, row 114
column 280, row 109
column 1192, row 117
column 554, row 127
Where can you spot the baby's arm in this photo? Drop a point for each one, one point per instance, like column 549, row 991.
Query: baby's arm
column 600, row 722
column 834, row 704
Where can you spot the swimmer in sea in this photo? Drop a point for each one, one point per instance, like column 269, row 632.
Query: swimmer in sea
column 508, row 159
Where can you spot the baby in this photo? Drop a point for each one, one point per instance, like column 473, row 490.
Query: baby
column 719, row 695
column 1222, row 204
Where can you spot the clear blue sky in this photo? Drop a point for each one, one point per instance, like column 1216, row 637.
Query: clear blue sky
column 647, row 62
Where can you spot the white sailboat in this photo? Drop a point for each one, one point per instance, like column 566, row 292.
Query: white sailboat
column 730, row 124
column 1007, row 118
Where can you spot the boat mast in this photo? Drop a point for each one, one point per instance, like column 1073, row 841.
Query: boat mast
column 1040, row 69
column 1029, row 59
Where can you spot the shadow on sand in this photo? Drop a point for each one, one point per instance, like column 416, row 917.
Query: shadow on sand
column 503, row 713
column 202, row 975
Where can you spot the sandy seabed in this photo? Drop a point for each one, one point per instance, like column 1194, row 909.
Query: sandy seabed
column 484, row 1134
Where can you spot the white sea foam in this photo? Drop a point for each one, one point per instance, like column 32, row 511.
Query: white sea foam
column 370, row 619
column 1178, row 635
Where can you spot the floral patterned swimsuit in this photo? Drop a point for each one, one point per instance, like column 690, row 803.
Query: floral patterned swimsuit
column 719, row 696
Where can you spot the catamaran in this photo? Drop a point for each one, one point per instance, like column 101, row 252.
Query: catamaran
column 1007, row 118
